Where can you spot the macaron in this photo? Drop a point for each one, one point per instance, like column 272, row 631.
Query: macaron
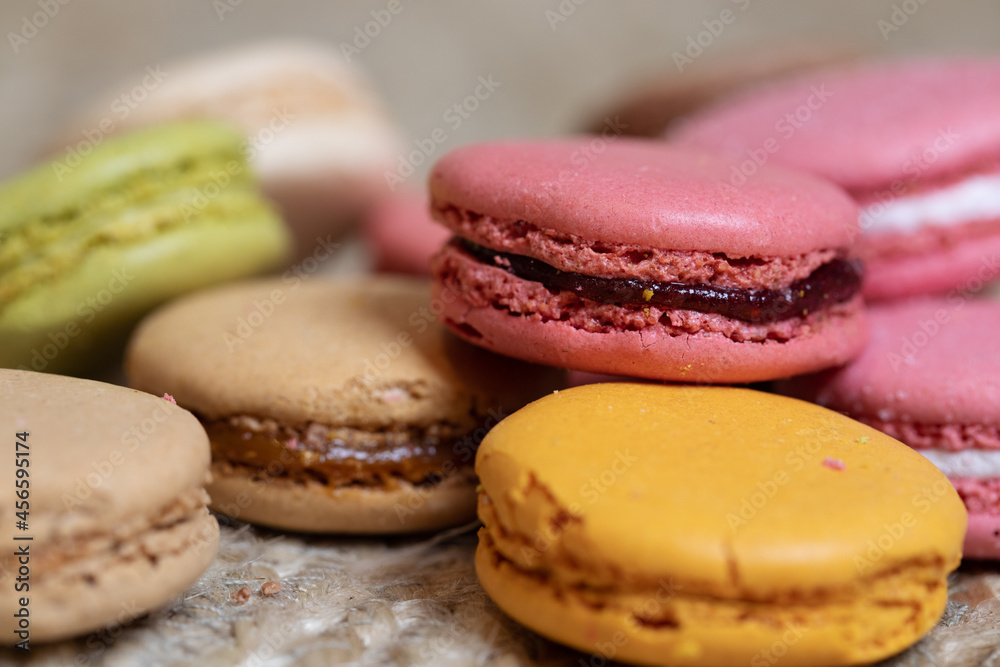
column 317, row 134
column 631, row 257
column 402, row 234
column 915, row 142
column 712, row 526
column 930, row 377
column 109, row 520
column 332, row 405
column 87, row 248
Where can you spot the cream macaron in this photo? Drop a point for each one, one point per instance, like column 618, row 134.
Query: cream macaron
column 333, row 405
column 105, row 518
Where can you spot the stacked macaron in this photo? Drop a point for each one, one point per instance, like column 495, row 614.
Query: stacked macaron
column 638, row 259
column 695, row 524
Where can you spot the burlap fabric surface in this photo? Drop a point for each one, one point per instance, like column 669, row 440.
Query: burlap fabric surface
column 412, row 601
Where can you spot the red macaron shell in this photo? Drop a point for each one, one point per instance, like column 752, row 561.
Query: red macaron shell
column 865, row 126
column 651, row 354
column 948, row 269
column 928, row 361
column 631, row 191
column 403, row 235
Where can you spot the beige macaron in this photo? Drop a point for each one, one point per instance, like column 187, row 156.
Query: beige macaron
column 111, row 521
column 318, row 136
column 333, row 405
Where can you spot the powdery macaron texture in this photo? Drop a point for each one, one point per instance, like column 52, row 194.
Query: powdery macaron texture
column 701, row 525
column 888, row 133
column 930, row 377
column 117, row 503
column 629, row 209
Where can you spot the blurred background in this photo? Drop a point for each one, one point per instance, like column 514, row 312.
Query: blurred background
column 560, row 64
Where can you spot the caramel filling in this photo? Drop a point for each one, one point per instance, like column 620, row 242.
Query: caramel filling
column 834, row 282
column 342, row 456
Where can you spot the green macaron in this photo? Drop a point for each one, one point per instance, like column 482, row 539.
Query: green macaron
column 87, row 248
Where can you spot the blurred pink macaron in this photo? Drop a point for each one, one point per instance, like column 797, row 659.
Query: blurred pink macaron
column 631, row 257
column 917, row 143
column 402, row 234
column 930, row 377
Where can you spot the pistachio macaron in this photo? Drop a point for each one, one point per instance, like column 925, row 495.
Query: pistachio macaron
column 332, row 405
column 89, row 245
column 712, row 526
column 109, row 520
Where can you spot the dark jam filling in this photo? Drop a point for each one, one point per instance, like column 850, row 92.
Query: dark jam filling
column 834, row 282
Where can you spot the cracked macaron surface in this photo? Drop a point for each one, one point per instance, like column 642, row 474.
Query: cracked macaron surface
column 640, row 259
column 117, row 504
column 707, row 525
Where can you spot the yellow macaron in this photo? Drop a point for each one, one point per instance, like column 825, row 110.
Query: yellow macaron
column 681, row 525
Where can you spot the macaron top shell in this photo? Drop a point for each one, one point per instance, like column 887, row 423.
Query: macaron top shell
column 730, row 491
column 863, row 127
column 363, row 353
column 629, row 191
column 929, row 361
column 100, row 453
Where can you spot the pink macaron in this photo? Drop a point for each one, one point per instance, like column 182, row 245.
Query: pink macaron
column 631, row 257
column 916, row 143
column 930, row 377
column 402, row 234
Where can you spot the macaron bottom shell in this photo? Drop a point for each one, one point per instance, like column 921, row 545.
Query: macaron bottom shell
column 81, row 317
column 965, row 266
column 982, row 541
column 652, row 354
column 125, row 582
column 312, row 507
column 665, row 626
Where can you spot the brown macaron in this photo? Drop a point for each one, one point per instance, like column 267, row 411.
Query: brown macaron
column 109, row 520
column 333, row 405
